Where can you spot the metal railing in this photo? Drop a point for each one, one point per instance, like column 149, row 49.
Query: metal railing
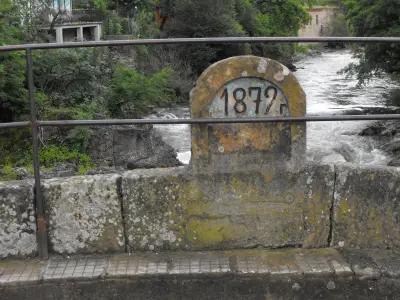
column 35, row 124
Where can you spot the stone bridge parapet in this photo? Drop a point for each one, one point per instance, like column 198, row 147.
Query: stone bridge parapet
column 343, row 206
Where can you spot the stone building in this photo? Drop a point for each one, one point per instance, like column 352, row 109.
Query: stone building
column 321, row 16
column 74, row 21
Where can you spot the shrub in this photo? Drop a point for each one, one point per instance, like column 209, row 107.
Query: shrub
column 53, row 155
column 152, row 59
column 8, row 172
column 133, row 94
column 374, row 18
column 207, row 18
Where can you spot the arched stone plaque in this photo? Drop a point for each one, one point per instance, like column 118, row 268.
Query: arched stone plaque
column 246, row 86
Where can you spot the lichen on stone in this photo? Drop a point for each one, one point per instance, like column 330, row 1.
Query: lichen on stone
column 84, row 214
column 17, row 219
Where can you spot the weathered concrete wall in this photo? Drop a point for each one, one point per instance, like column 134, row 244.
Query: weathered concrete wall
column 367, row 207
column 170, row 209
column 84, row 214
column 17, row 219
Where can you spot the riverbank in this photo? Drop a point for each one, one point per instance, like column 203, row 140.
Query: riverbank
column 109, row 150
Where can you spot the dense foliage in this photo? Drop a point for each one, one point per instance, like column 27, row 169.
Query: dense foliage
column 12, row 67
column 101, row 83
column 375, row 18
column 148, row 92
column 232, row 18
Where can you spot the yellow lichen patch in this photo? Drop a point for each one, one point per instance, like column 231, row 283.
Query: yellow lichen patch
column 295, row 93
column 344, row 208
column 193, row 201
column 212, row 232
column 249, row 191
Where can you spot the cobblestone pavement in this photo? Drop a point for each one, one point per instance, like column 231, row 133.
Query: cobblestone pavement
column 362, row 264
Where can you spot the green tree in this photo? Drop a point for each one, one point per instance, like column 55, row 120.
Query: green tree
column 208, row 18
column 279, row 18
column 13, row 102
column 133, row 94
column 71, row 78
column 375, row 18
column 211, row 18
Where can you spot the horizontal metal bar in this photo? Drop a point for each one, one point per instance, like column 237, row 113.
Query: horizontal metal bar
column 15, row 125
column 308, row 118
column 110, row 122
column 215, row 40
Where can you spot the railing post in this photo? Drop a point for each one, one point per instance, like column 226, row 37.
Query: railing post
column 41, row 226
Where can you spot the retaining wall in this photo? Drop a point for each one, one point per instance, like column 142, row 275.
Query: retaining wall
column 172, row 209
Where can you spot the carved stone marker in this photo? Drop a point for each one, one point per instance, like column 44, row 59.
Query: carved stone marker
column 246, row 86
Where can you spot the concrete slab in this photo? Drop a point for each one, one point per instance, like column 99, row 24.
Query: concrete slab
column 366, row 207
column 20, row 271
column 84, row 214
column 170, row 209
column 236, row 274
column 17, row 219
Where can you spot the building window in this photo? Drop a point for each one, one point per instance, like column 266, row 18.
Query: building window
column 62, row 4
column 317, row 19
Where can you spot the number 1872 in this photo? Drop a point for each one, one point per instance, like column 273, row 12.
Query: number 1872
column 254, row 93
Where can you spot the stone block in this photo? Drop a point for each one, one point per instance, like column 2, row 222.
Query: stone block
column 152, row 212
column 170, row 209
column 366, row 207
column 84, row 214
column 252, row 87
column 17, row 219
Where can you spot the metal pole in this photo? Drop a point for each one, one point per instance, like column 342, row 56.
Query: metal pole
column 307, row 118
column 41, row 226
column 193, row 41
column 15, row 125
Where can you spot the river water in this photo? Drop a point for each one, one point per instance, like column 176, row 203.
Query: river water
column 328, row 92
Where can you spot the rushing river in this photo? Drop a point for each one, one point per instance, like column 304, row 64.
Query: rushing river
column 327, row 93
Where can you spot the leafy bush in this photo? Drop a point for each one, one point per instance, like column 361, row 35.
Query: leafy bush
column 114, row 25
column 375, row 18
column 8, row 172
column 337, row 26
column 15, row 147
column 52, row 155
column 72, row 77
column 13, row 93
column 152, row 59
column 207, row 18
column 133, row 94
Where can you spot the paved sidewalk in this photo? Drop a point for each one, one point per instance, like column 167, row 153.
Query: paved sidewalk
column 328, row 266
column 364, row 264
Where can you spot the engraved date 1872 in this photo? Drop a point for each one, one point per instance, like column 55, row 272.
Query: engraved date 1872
column 255, row 94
